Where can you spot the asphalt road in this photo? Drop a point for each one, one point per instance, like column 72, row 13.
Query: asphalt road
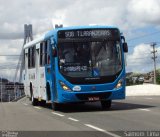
column 132, row 114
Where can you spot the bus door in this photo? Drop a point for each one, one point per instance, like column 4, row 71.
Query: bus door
column 53, row 54
column 48, row 71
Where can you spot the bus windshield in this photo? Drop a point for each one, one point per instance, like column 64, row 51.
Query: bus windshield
column 90, row 59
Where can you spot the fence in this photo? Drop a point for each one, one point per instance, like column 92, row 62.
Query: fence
column 11, row 91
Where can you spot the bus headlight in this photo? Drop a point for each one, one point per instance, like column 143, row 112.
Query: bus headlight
column 119, row 84
column 64, row 86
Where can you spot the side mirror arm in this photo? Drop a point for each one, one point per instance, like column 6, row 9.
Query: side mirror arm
column 123, row 38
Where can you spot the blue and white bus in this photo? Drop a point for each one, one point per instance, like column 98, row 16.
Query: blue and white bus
column 76, row 64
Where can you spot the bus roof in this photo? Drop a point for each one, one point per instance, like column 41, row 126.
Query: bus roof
column 51, row 33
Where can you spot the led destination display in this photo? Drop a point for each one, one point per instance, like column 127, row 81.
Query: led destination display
column 89, row 33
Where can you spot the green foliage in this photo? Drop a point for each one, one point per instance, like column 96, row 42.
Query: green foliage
column 158, row 80
column 134, row 78
column 135, row 75
column 129, row 81
column 131, row 77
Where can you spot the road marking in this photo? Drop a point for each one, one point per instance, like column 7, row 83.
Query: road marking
column 102, row 130
column 37, row 107
column 25, row 104
column 58, row 114
column 96, row 128
column 144, row 109
column 73, row 119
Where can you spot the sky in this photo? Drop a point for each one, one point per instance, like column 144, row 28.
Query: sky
column 138, row 20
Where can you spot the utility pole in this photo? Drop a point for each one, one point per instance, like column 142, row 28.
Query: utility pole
column 154, row 59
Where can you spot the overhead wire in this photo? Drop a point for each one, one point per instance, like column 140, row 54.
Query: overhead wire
column 142, row 36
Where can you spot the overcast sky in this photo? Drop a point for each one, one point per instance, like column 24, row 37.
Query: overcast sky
column 135, row 18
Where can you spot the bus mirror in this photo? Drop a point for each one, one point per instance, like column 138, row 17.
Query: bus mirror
column 54, row 52
column 125, row 47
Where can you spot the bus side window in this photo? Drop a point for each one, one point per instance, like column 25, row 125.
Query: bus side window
column 24, row 56
column 31, row 50
column 41, row 53
column 48, row 51
column 29, row 58
column 33, row 56
column 45, row 51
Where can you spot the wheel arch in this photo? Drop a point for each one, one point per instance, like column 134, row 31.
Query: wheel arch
column 31, row 88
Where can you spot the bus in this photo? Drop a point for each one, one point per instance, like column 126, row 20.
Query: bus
column 76, row 64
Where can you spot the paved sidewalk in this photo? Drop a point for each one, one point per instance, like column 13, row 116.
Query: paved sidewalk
column 143, row 90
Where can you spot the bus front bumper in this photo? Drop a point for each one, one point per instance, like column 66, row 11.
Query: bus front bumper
column 66, row 96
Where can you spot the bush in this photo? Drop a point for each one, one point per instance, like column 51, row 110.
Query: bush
column 158, row 80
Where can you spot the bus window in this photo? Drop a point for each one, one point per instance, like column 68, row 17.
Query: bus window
column 24, row 58
column 45, row 52
column 48, row 52
column 33, row 57
column 29, row 58
column 41, row 53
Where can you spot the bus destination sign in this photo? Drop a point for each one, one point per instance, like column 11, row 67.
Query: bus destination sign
column 90, row 33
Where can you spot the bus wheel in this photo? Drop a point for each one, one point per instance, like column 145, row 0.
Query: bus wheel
column 42, row 103
column 34, row 101
column 54, row 106
column 106, row 104
column 48, row 91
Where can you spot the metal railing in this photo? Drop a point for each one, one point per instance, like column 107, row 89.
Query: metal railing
column 11, row 92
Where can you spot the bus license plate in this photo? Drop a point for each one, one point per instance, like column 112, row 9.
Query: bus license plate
column 93, row 98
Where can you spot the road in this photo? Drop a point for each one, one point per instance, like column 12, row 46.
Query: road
column 132, row 114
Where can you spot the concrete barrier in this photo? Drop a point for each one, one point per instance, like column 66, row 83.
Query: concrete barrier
column 143, row 90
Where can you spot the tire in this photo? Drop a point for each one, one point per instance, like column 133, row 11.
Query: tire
column 34, row 101
column 48, row 91
column 42, row 103
column 106, row 104
column 55, row 106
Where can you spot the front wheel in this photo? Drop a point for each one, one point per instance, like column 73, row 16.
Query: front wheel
column 34, row 101
column 106, row 104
